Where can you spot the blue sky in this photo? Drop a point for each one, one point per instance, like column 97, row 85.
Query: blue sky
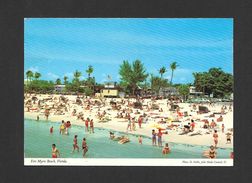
column 57, row 47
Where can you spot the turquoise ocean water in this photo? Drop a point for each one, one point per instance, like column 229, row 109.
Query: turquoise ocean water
column 38, row 141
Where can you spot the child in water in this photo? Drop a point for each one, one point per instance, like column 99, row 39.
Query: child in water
column 140, row 140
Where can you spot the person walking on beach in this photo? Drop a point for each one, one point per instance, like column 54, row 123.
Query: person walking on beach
column 47, row 113
column 215, row 136
column 154, row 139
column 133, row 124
column 222, row 128
column 84, row 147
column 55, row 151
column 129, row 124
column 75, row 144
column 159, row 134
column 91, row 126
column 192, row 125
column 140, row 120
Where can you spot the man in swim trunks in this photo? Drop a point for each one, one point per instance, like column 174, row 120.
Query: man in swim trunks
column 75, row 144
column 55, row 151
column 84, row 147
column 159, row 134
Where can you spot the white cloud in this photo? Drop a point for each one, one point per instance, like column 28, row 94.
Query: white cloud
column 52, row 75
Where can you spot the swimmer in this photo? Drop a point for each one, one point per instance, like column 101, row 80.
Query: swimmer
column 166, row 149
column 111, row 135
column 84, row 147
column 55, row 151
column 75, row 144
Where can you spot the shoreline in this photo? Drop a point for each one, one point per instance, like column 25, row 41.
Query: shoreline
column 144, row 131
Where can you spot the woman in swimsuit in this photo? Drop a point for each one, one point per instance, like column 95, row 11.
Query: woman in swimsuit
column 154, row 139
column 84, row 147
column 212, row 152
column 86, row 125
column 166, row 149
column 75, row 144
column 55, row 151
column 215, row 136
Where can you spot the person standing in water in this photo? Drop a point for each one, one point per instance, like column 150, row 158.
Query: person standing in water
column 140, row 139
column 55, row 151
column 159, row 134
column 51, row 129
column 86, row 125
column 84, row 147
column 75, row 144
column 154, row 139
column 91, row 126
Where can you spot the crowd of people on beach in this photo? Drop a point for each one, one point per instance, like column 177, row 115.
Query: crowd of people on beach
column 161, row 114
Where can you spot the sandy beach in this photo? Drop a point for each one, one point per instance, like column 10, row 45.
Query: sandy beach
column 153, row 117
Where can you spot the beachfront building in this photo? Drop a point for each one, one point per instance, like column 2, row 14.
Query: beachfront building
column 110, row 89
column 168, row 91
column 193, row 93
column 59, row 88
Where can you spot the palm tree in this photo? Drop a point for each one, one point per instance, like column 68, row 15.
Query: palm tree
column 90, row 70
column 162, row 70
column 77, row 75
column 65, row 79
column 173, row 67
column 37, row 75
column 58, row 81
column 29, row 75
